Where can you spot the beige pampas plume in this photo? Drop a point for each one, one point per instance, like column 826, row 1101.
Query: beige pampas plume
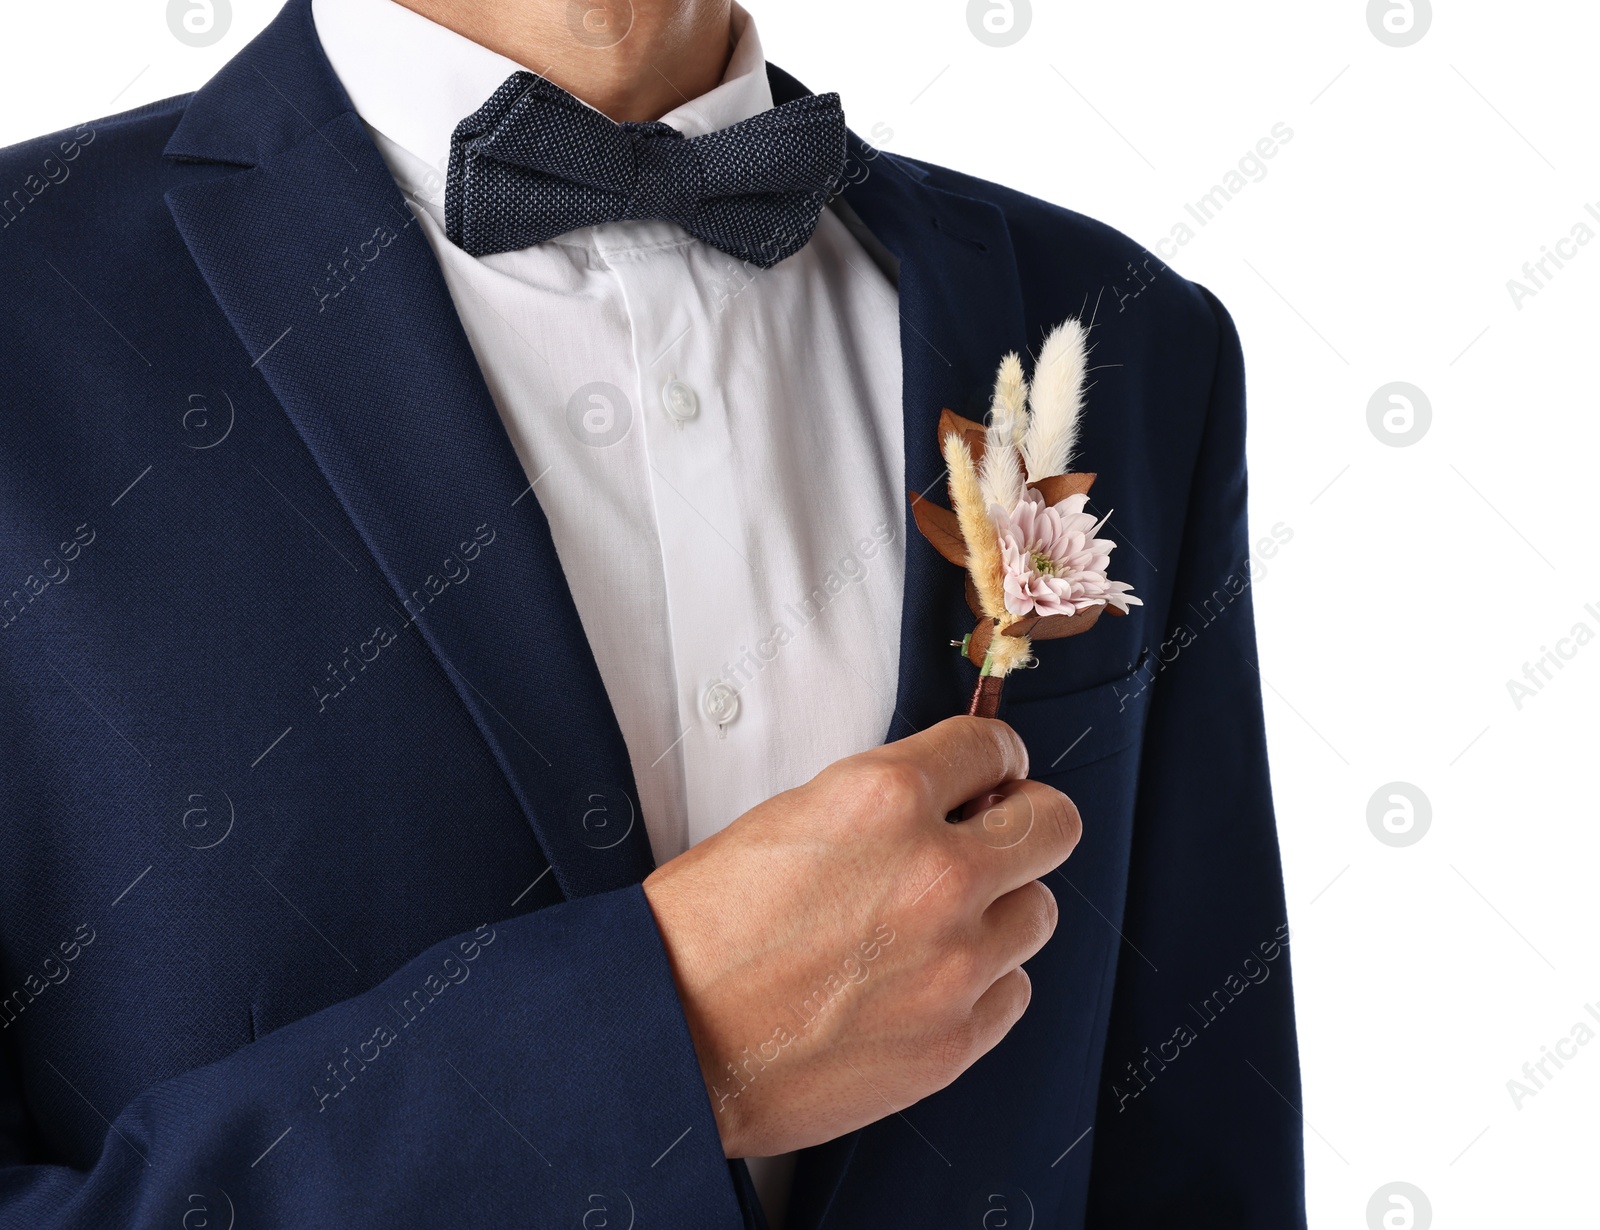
column 1056, row 399
column 984, row 562
column 972, row 513
column 998, row 474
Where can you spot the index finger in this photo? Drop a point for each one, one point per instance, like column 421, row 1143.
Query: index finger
column 1021, row 832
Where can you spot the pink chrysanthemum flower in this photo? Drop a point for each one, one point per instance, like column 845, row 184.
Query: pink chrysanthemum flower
column 1054, row 564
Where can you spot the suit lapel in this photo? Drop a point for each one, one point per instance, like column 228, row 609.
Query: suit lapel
column 314, row 257
column 960, row 310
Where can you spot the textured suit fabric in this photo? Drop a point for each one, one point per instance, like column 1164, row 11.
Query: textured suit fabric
column 533, row 162
column 319, row 900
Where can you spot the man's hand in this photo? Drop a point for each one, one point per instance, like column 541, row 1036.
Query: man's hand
column 841, row 951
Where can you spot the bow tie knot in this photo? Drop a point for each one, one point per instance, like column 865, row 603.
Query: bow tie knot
column 533, row 162
column 667, row 181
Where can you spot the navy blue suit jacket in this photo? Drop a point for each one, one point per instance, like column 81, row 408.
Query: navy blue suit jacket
column 319, row 900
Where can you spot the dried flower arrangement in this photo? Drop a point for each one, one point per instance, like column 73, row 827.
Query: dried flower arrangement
column 1035, row 569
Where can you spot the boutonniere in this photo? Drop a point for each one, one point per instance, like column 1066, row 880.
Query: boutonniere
column 1036, row 569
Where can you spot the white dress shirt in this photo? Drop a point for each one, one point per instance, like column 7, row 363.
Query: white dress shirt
column 718, row 448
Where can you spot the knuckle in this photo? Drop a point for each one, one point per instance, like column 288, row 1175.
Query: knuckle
column 1037, row 922
column 870, row 785
column 1022, row 993
column 900, row 788
column 1061, row 816
column 1016, row 751
column 1044, row 919
column 850, row 778
column 1020, row 931
column 1052, row 908
column 998, row 747
column 1008, row 747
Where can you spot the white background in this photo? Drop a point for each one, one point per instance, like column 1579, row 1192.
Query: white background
column 1419, row 580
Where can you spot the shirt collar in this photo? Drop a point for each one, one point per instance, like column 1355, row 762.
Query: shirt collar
column 413, row 80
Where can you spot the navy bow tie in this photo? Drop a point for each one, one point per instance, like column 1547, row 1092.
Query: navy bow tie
column 533, row 162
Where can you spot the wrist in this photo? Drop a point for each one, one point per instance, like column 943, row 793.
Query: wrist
column 722, row 1085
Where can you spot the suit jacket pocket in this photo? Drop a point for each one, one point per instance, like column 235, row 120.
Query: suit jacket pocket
column 1078, row 728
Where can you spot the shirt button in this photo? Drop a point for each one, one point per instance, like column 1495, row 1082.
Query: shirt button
column 720, row 703
column 680, row 401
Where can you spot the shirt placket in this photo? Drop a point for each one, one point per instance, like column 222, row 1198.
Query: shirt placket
column 709, row 539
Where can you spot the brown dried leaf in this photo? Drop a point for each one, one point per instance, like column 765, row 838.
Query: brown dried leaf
column 972, row 433
column 940, row 527
column 1058, row 487
column 950, row 421
column 1054, row 627
column 1023, row 626
column 978, row 643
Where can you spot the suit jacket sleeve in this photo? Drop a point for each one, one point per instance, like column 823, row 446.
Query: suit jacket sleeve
column 532, row 1073
column 1197, row 1122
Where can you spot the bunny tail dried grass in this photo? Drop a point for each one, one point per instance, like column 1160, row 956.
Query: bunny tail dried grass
column 1007, row 653
column 1056, row 400
column 983, row 544
column 998, row 474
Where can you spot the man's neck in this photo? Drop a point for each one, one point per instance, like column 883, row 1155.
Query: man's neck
column 631, row 59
